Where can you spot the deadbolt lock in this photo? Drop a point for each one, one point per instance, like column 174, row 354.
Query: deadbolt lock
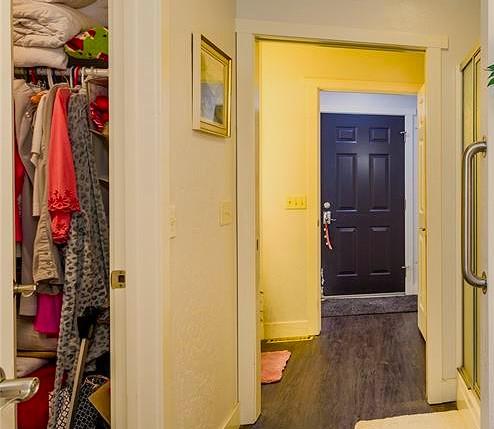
column 118, row 279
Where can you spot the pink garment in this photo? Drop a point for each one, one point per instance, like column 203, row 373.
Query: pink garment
column 47, row 320
column 62, row 184
column 272, row 365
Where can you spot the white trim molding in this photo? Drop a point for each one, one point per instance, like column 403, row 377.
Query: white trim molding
column 233, row 421
column 249, row 324
column 290, row 329
column 468, row 404
column 330, row 34
column 138, row 161
column 487, row 364
column 7, row 327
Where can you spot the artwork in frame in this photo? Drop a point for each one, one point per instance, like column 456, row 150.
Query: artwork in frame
column 212, row 80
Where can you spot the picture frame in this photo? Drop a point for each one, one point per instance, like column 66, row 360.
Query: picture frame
column 212, row 87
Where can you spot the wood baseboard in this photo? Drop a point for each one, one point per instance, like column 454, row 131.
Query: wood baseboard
column 290, row 329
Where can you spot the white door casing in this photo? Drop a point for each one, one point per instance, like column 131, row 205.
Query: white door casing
column 138, row 173
column 422, row 214
column 487, row 355
column 7, row 356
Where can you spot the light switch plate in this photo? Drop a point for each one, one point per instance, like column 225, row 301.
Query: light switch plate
column 296, row 202
column 226, row 213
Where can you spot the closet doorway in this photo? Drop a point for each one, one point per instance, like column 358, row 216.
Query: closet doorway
column 120, row 311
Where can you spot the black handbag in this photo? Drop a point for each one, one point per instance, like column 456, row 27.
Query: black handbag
column 86, row 416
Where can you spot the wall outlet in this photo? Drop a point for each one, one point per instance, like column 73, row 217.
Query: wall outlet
column 173, row 221
column 294, row 202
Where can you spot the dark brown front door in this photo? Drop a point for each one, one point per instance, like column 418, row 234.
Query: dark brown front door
column 363, row 178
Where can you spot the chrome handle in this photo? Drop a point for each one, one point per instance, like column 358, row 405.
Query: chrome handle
column 19, row 389
column 468, row 273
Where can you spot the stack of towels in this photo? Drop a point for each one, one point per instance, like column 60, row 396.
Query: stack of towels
column 41, row 28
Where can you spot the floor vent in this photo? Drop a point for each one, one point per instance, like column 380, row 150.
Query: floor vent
column 290, row 340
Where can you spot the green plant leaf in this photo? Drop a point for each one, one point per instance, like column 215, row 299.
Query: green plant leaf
column 491, row 82
column 491, row 67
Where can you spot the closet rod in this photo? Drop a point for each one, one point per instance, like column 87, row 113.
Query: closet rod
column 43, row 71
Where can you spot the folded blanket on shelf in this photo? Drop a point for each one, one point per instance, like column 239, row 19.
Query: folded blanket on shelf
column 40, row 57
column 30, row 340
column 72, row 3
column 46, row 25
column 26, row 366
column 98, row 11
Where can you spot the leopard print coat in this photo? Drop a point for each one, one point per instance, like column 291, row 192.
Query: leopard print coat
column 86, row 256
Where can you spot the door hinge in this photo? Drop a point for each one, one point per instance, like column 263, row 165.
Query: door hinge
column 118, row 279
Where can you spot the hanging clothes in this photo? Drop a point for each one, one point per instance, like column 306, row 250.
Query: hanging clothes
column 62, row 187
column 47, row 265
column 24, row 117
column 36, row 154
column 86, row 255
column 48, row 314
column 19, row 184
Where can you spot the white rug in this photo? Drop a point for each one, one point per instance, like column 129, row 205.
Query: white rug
column 446, row 420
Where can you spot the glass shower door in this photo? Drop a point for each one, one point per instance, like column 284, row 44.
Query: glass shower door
column 476, row 210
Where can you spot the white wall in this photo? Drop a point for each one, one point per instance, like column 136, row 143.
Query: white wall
column 202, row 321
column 457, row 19
column 348, row 102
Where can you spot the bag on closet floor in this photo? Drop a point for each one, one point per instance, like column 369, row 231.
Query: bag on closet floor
column 85, row 415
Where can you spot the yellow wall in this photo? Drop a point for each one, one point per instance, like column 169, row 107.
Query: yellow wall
column 291, row 75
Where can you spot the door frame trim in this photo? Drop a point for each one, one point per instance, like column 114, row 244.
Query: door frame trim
column 139, row 310
column 7, row 344
column 439, row 354
column 411, row 184
column 140, row 162
column 487, row 34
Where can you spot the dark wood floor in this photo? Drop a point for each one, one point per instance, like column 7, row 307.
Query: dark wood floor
column 360, row 368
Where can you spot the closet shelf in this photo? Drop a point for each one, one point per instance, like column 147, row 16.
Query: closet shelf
column 38, row 355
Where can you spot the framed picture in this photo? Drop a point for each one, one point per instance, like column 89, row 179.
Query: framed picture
column 212, row 83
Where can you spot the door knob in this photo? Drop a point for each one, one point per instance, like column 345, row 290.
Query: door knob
column 326, row 214
column 18, row 389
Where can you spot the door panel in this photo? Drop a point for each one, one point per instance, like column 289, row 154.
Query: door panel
column 363, row 178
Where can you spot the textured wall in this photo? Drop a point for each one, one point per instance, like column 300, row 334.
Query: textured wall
column 203, row 367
